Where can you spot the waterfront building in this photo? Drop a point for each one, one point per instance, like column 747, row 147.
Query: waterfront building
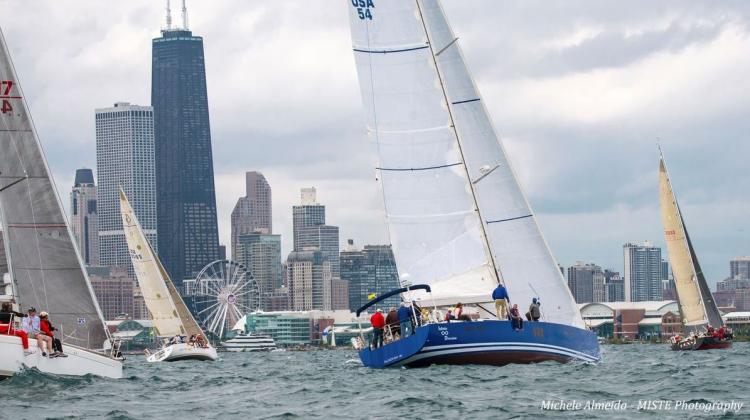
column 339, row 294
column 633, row 320
column 83, row 220
column 739, row 268
column 260, row 254
column 114, row 289
column 614, row 286
column 369, row 271
column 134, row 334
column 252, row 213
column 584, row 280
column 185, row 176
column 297, row 328
column 643, row 272
column 310, row 280
column 124, row 159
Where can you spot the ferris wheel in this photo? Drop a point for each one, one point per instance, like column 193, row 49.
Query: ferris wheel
column 222, row 293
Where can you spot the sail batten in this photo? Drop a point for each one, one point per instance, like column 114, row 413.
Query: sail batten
column 493, row 235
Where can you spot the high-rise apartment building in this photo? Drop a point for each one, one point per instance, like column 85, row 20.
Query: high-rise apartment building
column 114, row 290
column 308, row 213
column 614, row 286
column 739, row 268
column 643, row 272
column 124, row 159
column 369, row 271
column 310, row 281
column 586, row 282
column 253, row 212
column 185, row 176
column 261, row 256
column 83, row 220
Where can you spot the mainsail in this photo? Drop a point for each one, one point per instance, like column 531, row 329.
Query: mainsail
column 697, row 306
column 457, row 217
column 44, row 262
column 170, row 315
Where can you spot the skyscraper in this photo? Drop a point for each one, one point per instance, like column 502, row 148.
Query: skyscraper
column 643, row 272
column 739, row 268
column 83, row 216
column 124, row 158
column 369, row 271
column 184, row 176
column 613, row 286
column 586, row 282
column 261, row 256
column 310, row 230
column 252, row 213
column 310, row 281
column 308, row 213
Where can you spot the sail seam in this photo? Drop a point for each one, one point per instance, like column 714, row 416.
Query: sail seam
column 426, row 168
column 510, row 219
column 386, row 51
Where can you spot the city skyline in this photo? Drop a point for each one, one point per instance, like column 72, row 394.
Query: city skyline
column 582, row 216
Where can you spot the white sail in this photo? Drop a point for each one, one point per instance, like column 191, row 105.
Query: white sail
column 697, row 307
column 169, row 313
column 457, row 216
column 43, row 259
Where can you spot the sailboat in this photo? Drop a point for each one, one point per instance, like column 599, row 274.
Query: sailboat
column 172, row 320
column 697, row 307
column 457, row 217
column 44, row 265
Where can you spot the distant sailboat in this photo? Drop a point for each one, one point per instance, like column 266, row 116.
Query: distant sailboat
column 457, row 217
column 44, row 264
column 169, row 313
column 697, row 306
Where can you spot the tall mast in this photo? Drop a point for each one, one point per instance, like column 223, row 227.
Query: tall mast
column 485, row 239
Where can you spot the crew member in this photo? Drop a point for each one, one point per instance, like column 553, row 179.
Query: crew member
column 378, row 322
column 500, row 295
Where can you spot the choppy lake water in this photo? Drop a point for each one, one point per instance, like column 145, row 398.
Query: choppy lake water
column 333, row 384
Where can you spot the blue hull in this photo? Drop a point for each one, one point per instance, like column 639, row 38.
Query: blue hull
column 486, row 343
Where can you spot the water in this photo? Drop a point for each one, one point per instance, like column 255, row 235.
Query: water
column 333, row 384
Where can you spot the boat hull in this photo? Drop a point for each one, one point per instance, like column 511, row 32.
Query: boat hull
column 487, row 343
column 78, row 363
column 183, row 351
column 703, row 343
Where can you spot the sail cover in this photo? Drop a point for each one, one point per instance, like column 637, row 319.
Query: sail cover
column 458, row 219
column 170, row 315
column 44, row 261
column 697, row 306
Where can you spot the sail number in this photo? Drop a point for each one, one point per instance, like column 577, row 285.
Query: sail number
column 5, row 87
column 363, row 8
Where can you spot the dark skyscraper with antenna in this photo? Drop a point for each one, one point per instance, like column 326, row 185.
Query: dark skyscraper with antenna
column 185, row 195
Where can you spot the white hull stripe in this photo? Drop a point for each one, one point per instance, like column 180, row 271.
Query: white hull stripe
column 498, row 348
column 494, row 344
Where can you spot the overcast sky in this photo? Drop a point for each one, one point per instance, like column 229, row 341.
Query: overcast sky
column 579, row 92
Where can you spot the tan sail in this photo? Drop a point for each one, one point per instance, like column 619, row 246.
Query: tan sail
column 170, row 315
column 680, row 258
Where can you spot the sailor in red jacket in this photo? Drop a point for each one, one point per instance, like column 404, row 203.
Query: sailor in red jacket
column 378, row 323
column 48, row 330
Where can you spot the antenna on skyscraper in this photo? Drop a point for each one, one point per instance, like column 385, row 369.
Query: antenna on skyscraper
column 184, row 16
column 169, row 16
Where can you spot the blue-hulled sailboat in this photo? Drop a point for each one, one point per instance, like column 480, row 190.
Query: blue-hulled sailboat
column 457, row 217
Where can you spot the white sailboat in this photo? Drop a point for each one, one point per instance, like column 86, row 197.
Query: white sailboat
column 697, row 307
column 168, row 311
column 458, row 220
column 44, row 266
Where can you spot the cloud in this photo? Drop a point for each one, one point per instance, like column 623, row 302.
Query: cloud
column 578, row 90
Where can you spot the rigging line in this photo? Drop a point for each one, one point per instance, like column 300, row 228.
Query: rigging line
column 486, row 242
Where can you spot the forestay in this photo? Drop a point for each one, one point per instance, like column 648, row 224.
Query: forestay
column 43, row 259
column 457, row 217
column 167, row 309
column 696, row 303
